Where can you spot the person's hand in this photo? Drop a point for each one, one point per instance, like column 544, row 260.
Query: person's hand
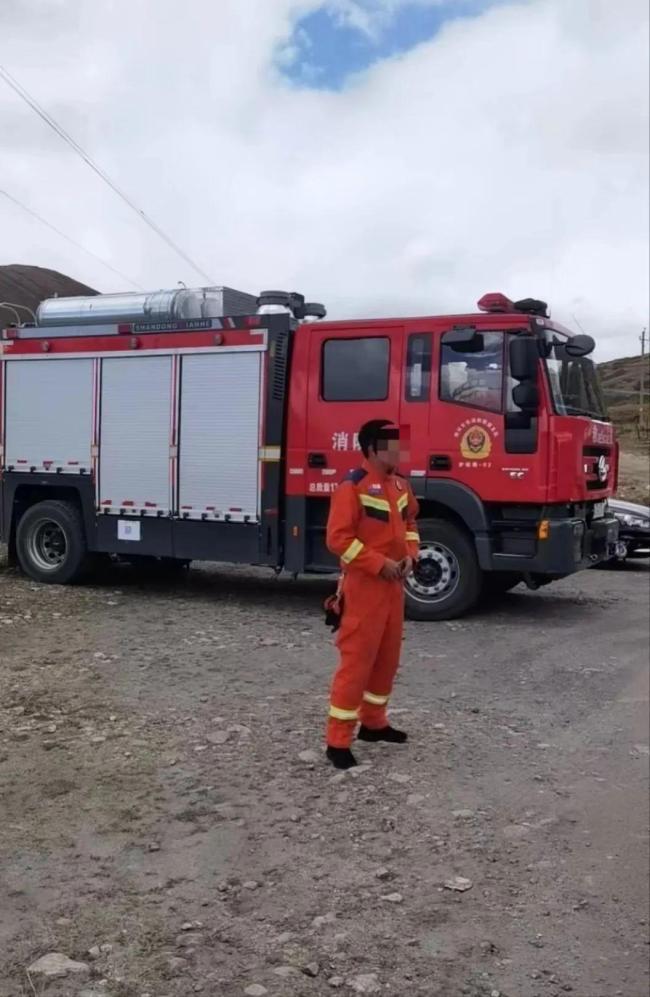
column 406, row 567
column 391, row 570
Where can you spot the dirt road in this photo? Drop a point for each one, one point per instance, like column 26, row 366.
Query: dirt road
column 156, row 808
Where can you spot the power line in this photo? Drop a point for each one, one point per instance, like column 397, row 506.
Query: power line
column 575, row 319
column 49, row 120
column 73, row 242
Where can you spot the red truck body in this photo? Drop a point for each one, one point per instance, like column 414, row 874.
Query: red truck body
column 508, row 491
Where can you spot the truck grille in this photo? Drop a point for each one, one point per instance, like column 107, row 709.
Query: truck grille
column 597, row 467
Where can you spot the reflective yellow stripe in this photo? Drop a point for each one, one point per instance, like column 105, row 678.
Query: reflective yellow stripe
column 343, row 714
column 410, row 535
column 369, row 697
column 374, row 503
column 402, row 501
column 269, row 453
column 353, row 551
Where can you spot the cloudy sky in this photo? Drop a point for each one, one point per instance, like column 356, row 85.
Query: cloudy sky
column 383, row 156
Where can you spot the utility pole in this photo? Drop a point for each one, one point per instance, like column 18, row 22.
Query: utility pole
column 642, row 420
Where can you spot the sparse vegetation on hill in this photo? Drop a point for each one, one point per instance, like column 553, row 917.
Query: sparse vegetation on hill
column 621, row 380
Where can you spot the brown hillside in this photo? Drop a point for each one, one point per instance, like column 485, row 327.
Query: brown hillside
column 621, row 379
column 24, row 285
column 621, row 382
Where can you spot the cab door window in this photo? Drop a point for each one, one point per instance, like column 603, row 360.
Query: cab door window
column 418, row 367
column 473, row 377
column 355, row 370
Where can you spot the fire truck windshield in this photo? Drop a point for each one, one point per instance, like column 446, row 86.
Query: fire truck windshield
column 574, row 381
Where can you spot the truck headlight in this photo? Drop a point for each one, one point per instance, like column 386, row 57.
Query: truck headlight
column 629, row 520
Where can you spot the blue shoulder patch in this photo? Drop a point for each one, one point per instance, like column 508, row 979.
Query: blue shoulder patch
column 356, row 475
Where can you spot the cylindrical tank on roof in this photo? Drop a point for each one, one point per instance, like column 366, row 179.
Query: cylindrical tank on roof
column 179, row 305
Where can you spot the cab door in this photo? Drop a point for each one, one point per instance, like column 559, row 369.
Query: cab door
column 355, row 374
column 468, row 435
column 475, row 427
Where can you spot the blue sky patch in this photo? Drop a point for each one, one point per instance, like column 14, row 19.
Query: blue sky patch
column 325, row 50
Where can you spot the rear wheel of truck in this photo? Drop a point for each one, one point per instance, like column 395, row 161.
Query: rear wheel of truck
column 51, row 543
column 446, row 581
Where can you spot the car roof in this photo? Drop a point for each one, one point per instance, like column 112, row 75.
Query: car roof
column 629, row 507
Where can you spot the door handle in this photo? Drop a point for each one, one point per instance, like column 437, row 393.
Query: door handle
column 440, row 462
column 316, row 460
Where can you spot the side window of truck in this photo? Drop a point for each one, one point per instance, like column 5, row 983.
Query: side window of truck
column 355, row 370
column 418, row 367
column 473, row 378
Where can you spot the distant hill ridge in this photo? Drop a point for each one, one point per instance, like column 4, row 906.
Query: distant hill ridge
column 28, row 286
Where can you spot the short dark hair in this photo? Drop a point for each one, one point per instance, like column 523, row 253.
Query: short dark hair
column 373, row 431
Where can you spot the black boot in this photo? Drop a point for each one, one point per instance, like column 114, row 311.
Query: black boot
column 341, row 758
column 383, row 734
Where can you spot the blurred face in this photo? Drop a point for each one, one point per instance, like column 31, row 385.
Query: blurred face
column 388, row 454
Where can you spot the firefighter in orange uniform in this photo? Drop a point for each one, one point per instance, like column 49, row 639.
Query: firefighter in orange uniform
column 372, row 529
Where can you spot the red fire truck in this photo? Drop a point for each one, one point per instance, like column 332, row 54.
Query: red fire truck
column 213, row 425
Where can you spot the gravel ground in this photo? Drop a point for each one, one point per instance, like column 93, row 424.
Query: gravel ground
column 168, row 821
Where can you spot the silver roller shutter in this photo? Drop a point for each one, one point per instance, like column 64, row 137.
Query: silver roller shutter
column 134, row 468
column 49, row 415
column 219, row 435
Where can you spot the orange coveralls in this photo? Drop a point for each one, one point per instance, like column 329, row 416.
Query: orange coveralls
column 371, row 518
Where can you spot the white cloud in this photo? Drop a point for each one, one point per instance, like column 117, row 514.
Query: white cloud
column 509, row 153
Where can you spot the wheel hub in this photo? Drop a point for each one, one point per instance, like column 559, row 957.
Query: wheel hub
column 436, row 574
column 48, row 545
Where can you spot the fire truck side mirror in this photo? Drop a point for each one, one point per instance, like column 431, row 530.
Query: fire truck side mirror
column 526, row 397
column 524, row 358
column 580, row 346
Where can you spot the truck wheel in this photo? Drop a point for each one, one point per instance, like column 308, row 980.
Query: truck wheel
column 446, row 581
column 51, row 543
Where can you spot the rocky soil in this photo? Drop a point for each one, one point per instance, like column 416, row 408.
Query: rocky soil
column 169, row 827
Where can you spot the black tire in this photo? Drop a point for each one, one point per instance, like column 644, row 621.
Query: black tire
column 446, row 582
column 497, row 583
column 51, row 543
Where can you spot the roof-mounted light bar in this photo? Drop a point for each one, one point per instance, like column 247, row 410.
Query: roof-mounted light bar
column 495, row 302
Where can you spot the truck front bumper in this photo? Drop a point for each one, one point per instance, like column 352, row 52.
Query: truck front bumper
column 569, row 546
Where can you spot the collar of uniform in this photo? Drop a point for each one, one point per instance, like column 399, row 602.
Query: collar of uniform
column 375, row 473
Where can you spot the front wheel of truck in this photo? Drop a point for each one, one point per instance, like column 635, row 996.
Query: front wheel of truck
column 446, row 581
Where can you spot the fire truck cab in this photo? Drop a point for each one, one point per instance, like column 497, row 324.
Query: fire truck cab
column 212, row 425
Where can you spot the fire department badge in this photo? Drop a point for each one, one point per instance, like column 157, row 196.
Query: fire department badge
column 475, row 443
